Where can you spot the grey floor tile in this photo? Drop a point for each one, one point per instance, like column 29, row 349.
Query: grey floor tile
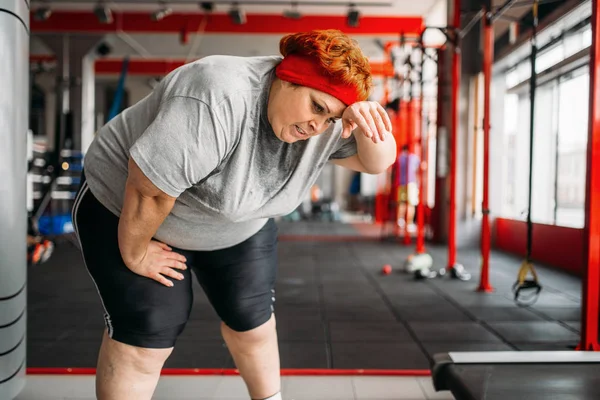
column 373, row 331
column 231, row 388
column 548, row 299
column 65, row 353
column 475, row 299
column 453, row 332
column 188, row 387
column 445, row 347
column 201, row 329
column 198, row 354
column 371, row 312
column 309, row 388
column 533, row 331
column 303, row 355
column 397, row 388
column 300, row 329
column 432, row 312
column 574, row 324
column 363, row 355
column 514, row 313
column 42, row 387
column 559, row 313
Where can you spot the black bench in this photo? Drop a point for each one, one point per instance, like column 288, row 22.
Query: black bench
column 518, row 375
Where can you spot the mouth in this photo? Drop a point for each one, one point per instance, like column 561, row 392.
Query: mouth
column 300, row 132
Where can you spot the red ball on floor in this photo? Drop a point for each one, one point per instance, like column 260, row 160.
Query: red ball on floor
column 387, row 269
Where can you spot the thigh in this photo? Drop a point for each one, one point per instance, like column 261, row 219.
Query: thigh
column 240, row 281
column 137, row 310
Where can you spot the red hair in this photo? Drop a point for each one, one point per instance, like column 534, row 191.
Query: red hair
column 337, row 53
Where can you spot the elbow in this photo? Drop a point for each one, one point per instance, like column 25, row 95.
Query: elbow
column 381, row 164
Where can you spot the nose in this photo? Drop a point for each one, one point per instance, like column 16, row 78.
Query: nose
column 318, row 126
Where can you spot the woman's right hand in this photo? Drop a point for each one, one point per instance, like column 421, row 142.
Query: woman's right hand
column 158, row 262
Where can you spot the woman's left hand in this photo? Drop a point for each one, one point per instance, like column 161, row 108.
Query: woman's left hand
column 370, row 117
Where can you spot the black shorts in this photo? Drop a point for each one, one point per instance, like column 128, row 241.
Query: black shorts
column 239, row 281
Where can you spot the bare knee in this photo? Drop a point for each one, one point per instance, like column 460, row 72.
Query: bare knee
column 253, row 337
column 138, row 359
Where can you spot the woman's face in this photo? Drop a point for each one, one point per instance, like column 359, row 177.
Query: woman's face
column 299, row 112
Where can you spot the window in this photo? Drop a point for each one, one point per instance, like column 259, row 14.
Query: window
column 572, row 146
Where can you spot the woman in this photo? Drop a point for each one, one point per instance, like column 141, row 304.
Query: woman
column 190, row 178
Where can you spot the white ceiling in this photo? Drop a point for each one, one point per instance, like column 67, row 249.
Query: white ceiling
column 170, row 45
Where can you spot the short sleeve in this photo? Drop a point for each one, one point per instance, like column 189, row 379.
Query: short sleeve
column 182, row 145
column 345, row 148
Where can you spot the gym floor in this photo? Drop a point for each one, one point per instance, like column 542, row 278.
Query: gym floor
column 232, row 388
column 334, row 307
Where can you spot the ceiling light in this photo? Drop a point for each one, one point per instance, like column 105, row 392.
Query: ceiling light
column 293, row 13
column 42, row 14
column 104, row 14
column 161, row 13
column 207, row 6
column 353, row 16
column 238, row 17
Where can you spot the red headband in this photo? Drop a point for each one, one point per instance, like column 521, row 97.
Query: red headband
column 306, row 71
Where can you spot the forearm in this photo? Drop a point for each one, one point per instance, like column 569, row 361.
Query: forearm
column 375, row 157
column 140, row 218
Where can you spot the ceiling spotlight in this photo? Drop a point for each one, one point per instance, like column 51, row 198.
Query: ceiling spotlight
column 238, row 17
column 42, row 14
column 207, row 6
column 161, row 13
column 293, row 13
column 104, row 14
column 353, row 16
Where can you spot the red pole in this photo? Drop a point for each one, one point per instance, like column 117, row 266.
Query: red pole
column 422, row 173
column 454, row 140
column 590, row 309
column 488, row 55
column 409, row 142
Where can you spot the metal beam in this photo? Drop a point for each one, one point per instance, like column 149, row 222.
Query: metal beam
column 229, row 3
column 140, row 22
column 476, row 18
column 502, row 9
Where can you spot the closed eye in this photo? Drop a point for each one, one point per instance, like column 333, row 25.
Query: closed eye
column 318, row 108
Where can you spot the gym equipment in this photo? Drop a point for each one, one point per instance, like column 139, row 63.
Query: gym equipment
column 118, row 99
column 457, row 271
column 421, row 263
column 523, row 284
column 518, row 375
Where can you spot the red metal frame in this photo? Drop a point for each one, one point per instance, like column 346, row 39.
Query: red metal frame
column 233, row 372
column 158, row 66
column 410, row 143
column 454, row 140
column 420, row 249
column 488, row 56
column 590, row 309
column 140, row 22
column 437, row 213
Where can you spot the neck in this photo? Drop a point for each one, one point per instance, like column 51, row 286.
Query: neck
column 275, row 88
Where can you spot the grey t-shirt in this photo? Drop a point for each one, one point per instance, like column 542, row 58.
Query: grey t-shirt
column 203, row 136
